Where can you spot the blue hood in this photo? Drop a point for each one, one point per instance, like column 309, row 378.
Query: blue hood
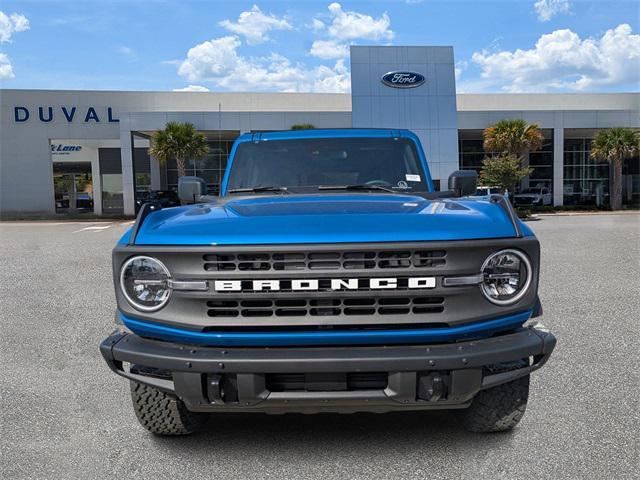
column 343, row 218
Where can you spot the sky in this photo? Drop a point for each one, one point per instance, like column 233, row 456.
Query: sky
column 511, row 46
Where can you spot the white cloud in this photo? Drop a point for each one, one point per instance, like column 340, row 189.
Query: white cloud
column 9, row 24
column 346, row 25
column 344, row 28
column 317, row 25
column 218, row 61
column 547, row 9
column 6, row 70
column 192, row 88
column 213, row 58
column 460, row 67
column 125, row 51
column 328, row 49
column 561, row 60
column 254, row 25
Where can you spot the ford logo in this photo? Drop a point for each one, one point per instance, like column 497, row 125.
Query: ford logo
column 403, row 79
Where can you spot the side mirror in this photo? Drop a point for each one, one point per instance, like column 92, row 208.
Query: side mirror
column 463, row 182
column 190, row 189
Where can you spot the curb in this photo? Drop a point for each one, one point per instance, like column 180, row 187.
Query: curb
column 576, row 214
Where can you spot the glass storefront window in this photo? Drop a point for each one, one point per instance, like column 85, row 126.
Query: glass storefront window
column 586, row 181
column 143, row 182
column 112, row 198
column 73, row 187
column 211, row 168
column 472, row 155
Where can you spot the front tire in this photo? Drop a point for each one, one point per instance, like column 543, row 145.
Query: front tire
column 162, row 413
column 497, row 409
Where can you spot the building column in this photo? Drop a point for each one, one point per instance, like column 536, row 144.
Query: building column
column 126, row 156
column 96, row 183
column 558, row 164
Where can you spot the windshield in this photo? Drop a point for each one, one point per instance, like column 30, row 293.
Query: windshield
column 535, row 191
column 302, row 165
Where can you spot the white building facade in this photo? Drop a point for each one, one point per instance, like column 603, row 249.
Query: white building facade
column 86, row 151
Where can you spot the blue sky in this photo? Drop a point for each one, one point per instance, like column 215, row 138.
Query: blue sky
column 505, row 46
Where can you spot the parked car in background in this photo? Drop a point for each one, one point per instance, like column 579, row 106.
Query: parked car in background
column 484, row 193
column 166, row 198
column 533, row 196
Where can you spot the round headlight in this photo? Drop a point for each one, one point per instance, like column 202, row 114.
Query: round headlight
column 506, row 276
column 145, row 283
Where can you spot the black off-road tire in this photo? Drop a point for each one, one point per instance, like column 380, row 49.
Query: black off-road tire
column 497, row 409
column 162, row 413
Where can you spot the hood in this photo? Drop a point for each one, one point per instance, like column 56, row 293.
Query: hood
column 343, row 218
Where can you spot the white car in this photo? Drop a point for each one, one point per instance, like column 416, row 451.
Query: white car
column 484, row 193
column 533, row 196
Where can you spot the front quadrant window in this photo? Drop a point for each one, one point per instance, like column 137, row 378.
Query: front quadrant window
column 303, row 165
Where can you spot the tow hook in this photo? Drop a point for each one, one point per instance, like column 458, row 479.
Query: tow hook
column 431, row 387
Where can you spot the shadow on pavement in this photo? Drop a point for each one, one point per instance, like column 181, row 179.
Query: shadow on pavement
column 330, row 433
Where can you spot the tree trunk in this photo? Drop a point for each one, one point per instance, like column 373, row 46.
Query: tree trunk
column 615, row 195
column 180, row 164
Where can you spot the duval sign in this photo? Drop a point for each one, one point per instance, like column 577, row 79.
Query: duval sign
column 69, row 114
column 401, row 79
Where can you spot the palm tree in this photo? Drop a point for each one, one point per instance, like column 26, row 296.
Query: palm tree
column 506, row 143
column 615, row 145
column 514, row 138
column 180, row 141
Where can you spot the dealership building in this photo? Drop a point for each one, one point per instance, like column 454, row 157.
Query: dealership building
column 86, row 151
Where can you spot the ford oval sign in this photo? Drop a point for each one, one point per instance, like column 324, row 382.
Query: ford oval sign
column 403, row 79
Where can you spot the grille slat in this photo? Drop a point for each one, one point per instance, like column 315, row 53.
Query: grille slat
column 347, row 260
column 326, row 307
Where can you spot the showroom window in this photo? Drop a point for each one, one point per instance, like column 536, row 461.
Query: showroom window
column 472, row 154
column 542, row 163
column 586, row 181
column 210, row 168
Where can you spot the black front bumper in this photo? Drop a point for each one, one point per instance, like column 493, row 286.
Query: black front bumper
column 416, row 376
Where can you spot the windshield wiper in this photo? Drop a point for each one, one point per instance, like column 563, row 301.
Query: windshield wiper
column 259, row 189
column 362, row 186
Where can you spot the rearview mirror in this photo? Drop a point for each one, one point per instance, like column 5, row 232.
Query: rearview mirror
column 191, row 188
column 463, row 182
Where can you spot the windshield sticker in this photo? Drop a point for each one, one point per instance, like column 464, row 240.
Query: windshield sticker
column 412, row 178
column 402, row 185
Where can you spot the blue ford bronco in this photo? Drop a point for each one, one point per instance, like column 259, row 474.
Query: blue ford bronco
column 328, row 276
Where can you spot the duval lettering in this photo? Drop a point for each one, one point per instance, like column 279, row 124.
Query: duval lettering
column 48, row 114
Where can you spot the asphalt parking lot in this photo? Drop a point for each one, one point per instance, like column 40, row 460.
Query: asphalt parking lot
column 63, row 414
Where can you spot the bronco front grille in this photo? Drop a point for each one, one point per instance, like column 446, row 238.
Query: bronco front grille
column 266, row 307
column 342, row 260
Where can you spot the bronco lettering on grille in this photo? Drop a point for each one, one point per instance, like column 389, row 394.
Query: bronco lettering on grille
column 298, row 285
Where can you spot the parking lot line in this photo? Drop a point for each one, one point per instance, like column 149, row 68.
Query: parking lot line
column 94, row 228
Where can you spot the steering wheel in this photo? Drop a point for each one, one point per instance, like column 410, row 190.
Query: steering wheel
column 382, row 183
